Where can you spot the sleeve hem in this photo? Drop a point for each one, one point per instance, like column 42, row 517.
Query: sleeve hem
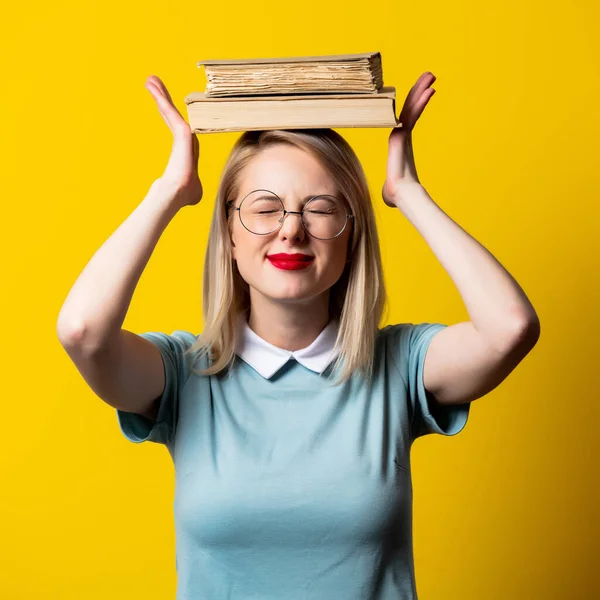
column 136, row 427
column 444, row 419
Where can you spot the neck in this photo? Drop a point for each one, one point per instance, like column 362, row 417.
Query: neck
column 287, row 325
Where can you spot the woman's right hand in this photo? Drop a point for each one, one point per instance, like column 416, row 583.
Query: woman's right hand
column 182, row 169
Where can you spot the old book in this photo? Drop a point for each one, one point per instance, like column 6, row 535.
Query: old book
column 206, row 114
column 335, row 73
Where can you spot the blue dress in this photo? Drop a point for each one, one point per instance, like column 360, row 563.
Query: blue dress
column 288, row 487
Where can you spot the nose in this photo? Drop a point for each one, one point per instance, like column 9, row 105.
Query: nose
column 292, row 226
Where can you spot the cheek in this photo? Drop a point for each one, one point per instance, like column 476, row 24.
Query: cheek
column 336, row 260
column 241, row 241
column 247, row 249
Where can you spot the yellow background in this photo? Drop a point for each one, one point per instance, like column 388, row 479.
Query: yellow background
column 508, row 146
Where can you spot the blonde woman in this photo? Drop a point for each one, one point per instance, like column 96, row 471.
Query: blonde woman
column 290, row 418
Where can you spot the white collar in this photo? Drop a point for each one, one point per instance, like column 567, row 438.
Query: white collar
column 267, row 359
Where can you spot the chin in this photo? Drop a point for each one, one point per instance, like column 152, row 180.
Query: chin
column 289, row 294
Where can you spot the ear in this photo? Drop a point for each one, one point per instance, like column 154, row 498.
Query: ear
column 233, row 247
column 229, row 231
column 232, row 242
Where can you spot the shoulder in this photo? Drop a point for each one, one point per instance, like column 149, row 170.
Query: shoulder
column 178, row 349
column 403, row 341
column 407, row 333
column 178, row 339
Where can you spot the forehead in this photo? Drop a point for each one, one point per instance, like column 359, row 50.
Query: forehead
column 287, row 171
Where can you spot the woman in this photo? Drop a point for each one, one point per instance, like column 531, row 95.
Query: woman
column 290, row 418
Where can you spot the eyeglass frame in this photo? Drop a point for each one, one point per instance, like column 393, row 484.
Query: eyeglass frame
column 228, row 203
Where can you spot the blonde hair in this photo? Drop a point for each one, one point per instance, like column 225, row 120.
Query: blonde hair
column 357, row 299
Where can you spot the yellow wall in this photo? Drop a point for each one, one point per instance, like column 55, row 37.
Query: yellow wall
column 508, row 147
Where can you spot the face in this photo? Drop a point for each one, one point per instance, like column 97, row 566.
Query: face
column 294, row 175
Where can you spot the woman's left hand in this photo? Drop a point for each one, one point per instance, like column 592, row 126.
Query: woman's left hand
column 401, row 167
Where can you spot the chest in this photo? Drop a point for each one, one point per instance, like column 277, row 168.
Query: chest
column 291, row 460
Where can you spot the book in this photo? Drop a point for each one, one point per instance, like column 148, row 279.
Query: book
column 208, row 114
column 335, row 73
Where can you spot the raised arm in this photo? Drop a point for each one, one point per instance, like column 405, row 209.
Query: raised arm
column 466, row 360
column 122, row 368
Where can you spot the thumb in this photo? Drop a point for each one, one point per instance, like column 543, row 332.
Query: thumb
column 395, row 159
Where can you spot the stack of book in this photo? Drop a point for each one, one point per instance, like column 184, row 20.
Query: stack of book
column 334, row 91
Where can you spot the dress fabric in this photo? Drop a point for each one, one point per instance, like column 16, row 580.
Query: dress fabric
column 288, row 487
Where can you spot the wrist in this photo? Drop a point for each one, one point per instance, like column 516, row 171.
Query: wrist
column 407, row 193
column 167, row 195
column 171, row 192
column 167, row 187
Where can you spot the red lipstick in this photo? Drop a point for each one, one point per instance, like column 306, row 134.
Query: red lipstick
column 290, row 262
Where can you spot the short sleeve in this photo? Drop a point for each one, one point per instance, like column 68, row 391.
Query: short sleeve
column 177, row 368
column 410, row 345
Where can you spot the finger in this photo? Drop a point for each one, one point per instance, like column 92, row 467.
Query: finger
column 156, row 93
column 164, row 106
column 163, row 89
column 395, row 158
column 196, row 146
column 161, row 86
column 421, row 103
column 425, row 80
column 408, row 108
column 411, row 112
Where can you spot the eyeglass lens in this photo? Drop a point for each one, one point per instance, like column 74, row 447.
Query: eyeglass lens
column 261, row 212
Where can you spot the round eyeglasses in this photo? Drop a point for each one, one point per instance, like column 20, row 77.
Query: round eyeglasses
column 262, row 212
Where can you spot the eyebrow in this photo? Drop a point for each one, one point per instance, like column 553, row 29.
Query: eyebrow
column 305, row 197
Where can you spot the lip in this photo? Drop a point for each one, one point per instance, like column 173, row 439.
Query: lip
column 296, row 256
column 290, row 262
